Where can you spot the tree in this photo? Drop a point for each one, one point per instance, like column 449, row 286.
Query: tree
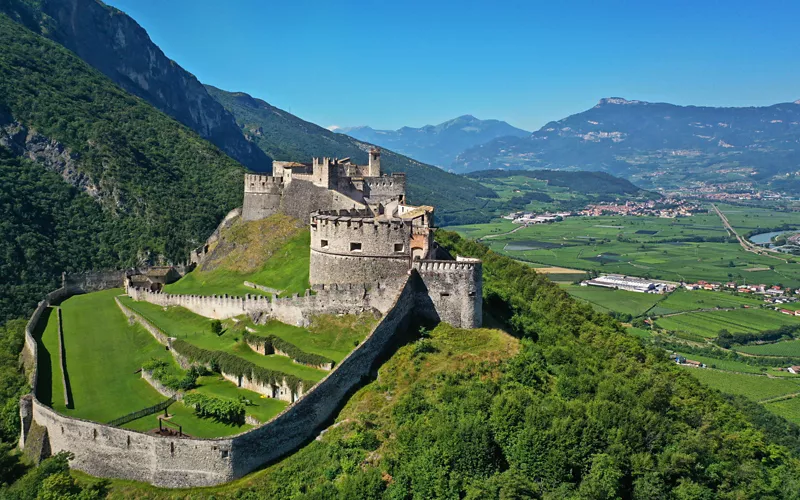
column 216, row 327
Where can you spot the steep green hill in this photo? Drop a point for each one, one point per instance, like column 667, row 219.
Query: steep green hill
column 575, row 409
column 156, row 187
column 283, row 136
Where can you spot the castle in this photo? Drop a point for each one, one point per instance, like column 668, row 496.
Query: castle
column 370, row 250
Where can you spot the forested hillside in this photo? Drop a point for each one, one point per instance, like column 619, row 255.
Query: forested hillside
column 581, row 182
column 159, row 189
column 283, row 136
column 113, row 43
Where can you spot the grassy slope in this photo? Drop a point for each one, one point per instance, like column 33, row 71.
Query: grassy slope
column 272, row 252
column 458, row 351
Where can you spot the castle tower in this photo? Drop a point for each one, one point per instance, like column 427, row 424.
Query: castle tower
column 262, row 196
column 374, row 169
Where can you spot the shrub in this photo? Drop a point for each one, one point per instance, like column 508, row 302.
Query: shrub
column 165, row 373
column 230, row 411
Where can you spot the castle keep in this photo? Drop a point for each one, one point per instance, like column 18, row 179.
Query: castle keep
column 370, row 251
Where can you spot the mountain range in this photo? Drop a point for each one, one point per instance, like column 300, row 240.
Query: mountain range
column 656, row 143
column 436, row 144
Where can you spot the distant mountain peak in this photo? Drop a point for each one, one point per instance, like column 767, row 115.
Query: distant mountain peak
column 617, row 100
column 797, row 101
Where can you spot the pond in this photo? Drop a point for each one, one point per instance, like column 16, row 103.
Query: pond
column 765, row 238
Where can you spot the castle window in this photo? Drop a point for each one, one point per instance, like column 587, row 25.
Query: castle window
column 224, row 453
column 323, row 243
column 399, row 247
column 355, row 247
column 444, row 294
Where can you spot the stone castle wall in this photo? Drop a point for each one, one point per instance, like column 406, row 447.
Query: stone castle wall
column 383, row 249
column 113, row 452
column 262, row 196
column 297, row 310
column 197, row 255
column 452, row 291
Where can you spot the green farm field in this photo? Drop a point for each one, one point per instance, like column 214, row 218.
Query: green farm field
column 754, row 387
column 606, row 299
column 746, row 219
column 692, row 300
column 788, row 408
column 195, row 329
column 789, row 348
column 638, row 246
column 708, row 324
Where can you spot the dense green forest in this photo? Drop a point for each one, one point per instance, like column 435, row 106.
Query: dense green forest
column 580, row 182
column 161, row 188
column 283, row 136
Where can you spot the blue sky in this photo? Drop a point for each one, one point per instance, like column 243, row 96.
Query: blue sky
column 390, row 64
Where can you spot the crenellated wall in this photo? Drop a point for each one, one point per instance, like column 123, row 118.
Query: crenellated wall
column 262, row 196
column 296, row 310
column 453, row 291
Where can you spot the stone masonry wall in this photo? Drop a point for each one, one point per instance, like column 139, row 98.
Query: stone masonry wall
column 452, row 291
column 297, row 310
column 262, row 196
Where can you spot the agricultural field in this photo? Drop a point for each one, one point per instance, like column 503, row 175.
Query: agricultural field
column 747, row 219
column 733, row 366
column 690, row 248
column 708, row 324
column 754, row 387
column 607, row 299
column 788, row 408
column 104, row 353
column 789, row 348
column 692, row 300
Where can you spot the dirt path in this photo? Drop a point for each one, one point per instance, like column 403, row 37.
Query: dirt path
column 743, row 241
column 521, row 226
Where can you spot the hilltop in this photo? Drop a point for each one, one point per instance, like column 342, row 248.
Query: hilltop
column 581, row 182
column 437, row 144
column 634, row 139
column 287, row 137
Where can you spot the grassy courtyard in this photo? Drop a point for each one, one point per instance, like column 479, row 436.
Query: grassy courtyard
column 195, row 329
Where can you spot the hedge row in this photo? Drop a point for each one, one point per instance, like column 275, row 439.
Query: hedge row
column 225, row 410
column 726, row 339
column 220, row 361
column 291, row 350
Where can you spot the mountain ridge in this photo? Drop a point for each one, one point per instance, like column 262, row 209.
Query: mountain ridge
column 636, row 138
column 436, row 144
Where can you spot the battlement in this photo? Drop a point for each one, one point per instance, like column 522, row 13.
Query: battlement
column 257, row 183
column 446, row 265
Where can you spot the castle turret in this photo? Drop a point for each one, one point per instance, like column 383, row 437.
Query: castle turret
column 374, row 169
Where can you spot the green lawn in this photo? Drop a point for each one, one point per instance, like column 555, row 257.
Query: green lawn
column 755, row 387
column 262, row 407
column 49, row 386
column 606, row 299
column 103, row 354
column 192, row 424
column 708, row 324
column 787, row 348
column 286, row 270
column 195, row 329
column 331, row 336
